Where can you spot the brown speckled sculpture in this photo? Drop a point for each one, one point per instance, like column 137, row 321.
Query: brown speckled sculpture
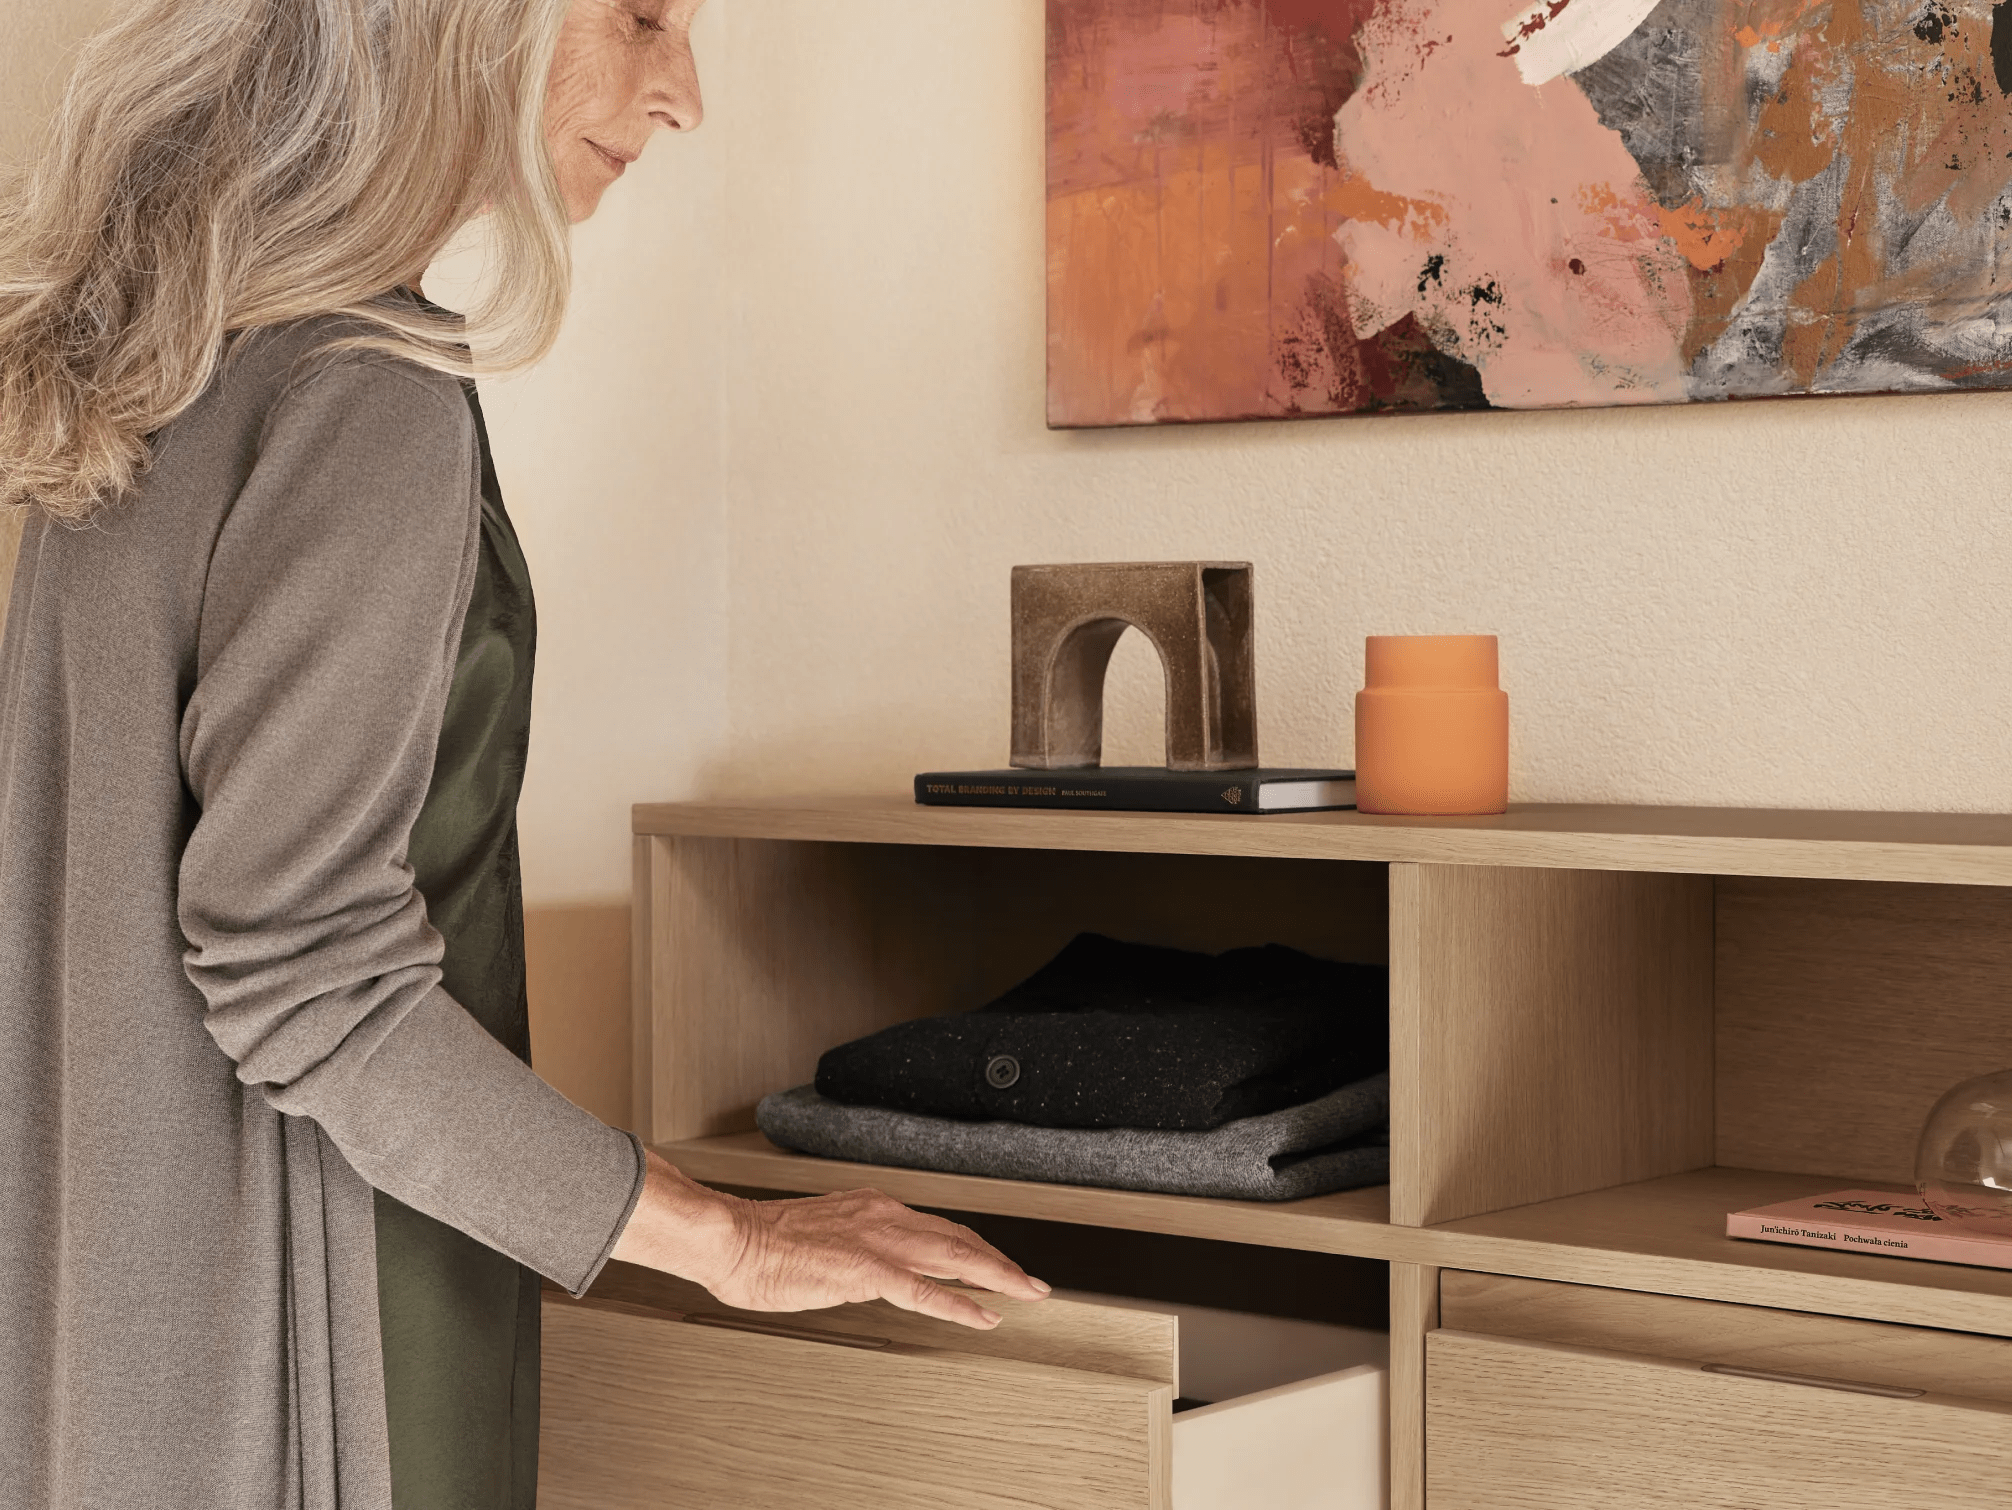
column 1068, row 619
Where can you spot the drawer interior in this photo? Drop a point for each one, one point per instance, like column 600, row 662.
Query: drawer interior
column 1284, row 1358
column 1156, row 1266
column 1291, row 1415
column 1227, row 1355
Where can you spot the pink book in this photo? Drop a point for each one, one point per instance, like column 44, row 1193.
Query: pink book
column 1869, row 1221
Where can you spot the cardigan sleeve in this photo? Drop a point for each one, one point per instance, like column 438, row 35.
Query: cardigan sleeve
column 331, row 615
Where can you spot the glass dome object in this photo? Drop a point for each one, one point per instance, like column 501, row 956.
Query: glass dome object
column 1963, row 1164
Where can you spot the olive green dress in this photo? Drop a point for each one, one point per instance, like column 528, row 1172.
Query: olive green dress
column 460, row 1320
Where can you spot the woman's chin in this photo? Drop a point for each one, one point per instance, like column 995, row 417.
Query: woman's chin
column 581, row 202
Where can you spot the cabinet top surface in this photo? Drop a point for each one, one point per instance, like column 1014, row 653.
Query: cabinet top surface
column 1956, row 848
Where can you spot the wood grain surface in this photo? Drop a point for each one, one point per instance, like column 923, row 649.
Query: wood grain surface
column 1414, row 1312
column 641, row 1412
column 1958, row 848
column 1350, row 1221
column 766, row 954
column 1668, row 1236
column 1706, row 1331
column 1845, row 1010
column 1132, row 1342
column 1550, row 1033
column 1532, row 1426
column 1590, row 1006
column 578, row 975
column 12, row 522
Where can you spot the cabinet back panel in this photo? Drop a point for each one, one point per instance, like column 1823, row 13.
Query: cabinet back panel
column 1034, row 901
column 1844, row 1009
column 768, row 952
column 1550, row 1034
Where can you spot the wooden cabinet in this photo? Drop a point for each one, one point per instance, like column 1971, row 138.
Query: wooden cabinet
column 1610, row 1026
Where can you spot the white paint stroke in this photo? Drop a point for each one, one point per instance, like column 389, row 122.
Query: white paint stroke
column 1562, row 36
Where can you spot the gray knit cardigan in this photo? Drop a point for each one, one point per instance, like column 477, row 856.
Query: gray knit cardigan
column 221, row 1020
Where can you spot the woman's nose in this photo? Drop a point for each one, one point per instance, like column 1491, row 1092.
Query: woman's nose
column 677, row 103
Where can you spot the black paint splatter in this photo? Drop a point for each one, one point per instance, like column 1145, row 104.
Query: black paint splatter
column 1434, row 266
column 1933, row 22
column 2001, row 45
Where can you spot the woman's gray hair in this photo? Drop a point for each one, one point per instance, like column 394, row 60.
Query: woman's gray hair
column 220, row 165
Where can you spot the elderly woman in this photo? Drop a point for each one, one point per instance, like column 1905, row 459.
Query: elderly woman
column 276, row 1175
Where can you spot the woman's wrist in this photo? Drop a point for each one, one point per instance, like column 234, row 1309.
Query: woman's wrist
column 681, row 1227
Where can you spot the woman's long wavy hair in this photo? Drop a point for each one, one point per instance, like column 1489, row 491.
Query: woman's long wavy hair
column 221, row 165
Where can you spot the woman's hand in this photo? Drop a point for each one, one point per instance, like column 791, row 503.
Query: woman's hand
column 807, row 1254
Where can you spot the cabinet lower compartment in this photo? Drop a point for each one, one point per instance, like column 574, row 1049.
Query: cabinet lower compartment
column 1736, row 1407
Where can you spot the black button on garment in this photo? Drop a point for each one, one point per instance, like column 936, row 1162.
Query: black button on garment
column 1002, row 1072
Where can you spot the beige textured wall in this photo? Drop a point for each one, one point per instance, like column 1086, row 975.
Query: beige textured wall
column 37, row 42
column 1800, row 603
column 38, row 38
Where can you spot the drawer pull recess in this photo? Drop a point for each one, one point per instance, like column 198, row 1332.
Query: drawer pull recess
column 781, row 1329
column 1849, row 1386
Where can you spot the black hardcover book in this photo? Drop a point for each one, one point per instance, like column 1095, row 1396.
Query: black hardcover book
column 1142, row 789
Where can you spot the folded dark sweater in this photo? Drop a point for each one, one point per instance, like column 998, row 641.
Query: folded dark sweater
column 1336, row 1142
column 1127, row 1035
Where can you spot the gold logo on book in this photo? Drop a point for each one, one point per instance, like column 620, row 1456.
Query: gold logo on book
column 1234, row 796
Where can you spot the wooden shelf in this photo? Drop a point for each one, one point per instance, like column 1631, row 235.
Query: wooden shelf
column 1353, row 1221
column 1665, row 1235
column 1668, row 1235
column 1956, row 848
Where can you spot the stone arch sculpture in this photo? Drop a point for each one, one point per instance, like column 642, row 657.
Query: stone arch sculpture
column 1068, row 619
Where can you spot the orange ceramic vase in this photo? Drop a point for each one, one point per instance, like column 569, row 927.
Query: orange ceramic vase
column 1432, row 726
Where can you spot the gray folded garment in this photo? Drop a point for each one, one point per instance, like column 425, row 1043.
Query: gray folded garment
column 1337, row 1142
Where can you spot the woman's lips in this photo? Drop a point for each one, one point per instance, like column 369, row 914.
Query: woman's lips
column 615, row 161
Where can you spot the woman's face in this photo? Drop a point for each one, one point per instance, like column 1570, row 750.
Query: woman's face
column 623, row 68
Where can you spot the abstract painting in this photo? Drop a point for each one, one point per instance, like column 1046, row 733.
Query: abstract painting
column 1262, row 208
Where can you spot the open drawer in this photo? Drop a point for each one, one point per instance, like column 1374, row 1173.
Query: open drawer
column 657, row 1396
column 1289, row 1415
column 1569, row 1397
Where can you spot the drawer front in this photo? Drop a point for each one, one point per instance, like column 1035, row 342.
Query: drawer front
column 1709, row 1331
column 647, row 1407
column 1515, row 1425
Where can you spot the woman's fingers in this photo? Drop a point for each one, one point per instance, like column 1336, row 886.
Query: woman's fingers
column 973, row 1262
column 912, row 1292
column 827, row 1250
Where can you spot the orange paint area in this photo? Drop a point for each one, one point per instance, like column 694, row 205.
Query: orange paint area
column 1701, row 235
column 1294, row 207
column 1193, row 201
